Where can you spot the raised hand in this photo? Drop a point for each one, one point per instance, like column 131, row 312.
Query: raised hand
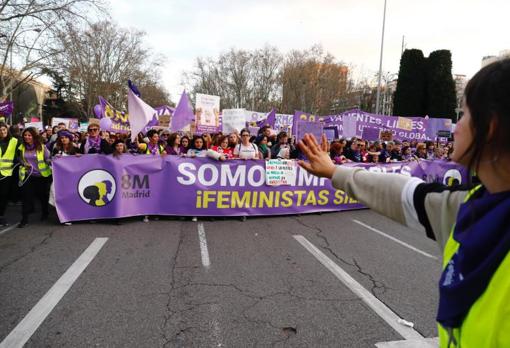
column 319, row 162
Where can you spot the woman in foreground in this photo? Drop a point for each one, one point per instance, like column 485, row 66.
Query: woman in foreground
column 472, row 227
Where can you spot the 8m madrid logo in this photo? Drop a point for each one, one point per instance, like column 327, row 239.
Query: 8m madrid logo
column 97, row 187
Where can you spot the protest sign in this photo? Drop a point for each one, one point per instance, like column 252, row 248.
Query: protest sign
column 233, row 120
column 98, row 186
column 253, row 117
column 280, row 172
column 120, row 120
column 83, row 126
column 331, row 132
column 283, row 123
column 6, row 108
column 165, row 121
column 207, row 112
column 36, row 125
column 304, row 127
column 70, row 123
column 370, row 133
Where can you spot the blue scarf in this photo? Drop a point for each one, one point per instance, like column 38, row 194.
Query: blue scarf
column 483, row 232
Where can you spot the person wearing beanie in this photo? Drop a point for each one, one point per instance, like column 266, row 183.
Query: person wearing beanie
column 64, row 145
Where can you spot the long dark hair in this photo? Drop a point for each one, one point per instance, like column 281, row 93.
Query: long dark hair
column 487, row 95
column 35, row 136
column 4, row 125
column 171, row 139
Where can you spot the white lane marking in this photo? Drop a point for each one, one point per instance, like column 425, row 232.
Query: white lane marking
column 8, row 229
column 395, row 240
column 203, row 246
column 26, row 327
column 424, row 343
column 375, row 304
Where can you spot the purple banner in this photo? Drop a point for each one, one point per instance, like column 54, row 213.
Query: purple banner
column 119, row 120
column 410, row 128
column 304, row 127
column 98, row 186
column 6, row 108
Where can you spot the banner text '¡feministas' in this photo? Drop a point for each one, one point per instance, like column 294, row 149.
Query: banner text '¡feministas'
column 270, row 199
column 235, row 176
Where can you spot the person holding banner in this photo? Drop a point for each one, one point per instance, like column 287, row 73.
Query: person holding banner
column 246, row 150
column 197, row 148
column 8, row 148
column 34, row 174
column 94, row 143
column 173, row 146
column 153, row 147
column 185, row 144
column 221, row 151
column 283, row 148
column 262, row 142
column 64, row 145
column 119, row 148
column 472, row 226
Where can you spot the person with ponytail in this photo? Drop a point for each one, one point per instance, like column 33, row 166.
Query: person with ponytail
column 8, row 147
column 34, row 174
column 471, row 225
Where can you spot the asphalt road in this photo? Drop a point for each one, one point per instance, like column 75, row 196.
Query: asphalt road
column 218, row 283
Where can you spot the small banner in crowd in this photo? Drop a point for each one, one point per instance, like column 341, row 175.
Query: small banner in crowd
column 6, row 108
column 119, row 120
column 98, row 186
column 70, row 123
column 315, row 128
column 207, row 113
column 233, row 120
column 280, row 172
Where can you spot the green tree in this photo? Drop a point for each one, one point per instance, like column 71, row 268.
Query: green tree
column 410, row 95
column 441, row 96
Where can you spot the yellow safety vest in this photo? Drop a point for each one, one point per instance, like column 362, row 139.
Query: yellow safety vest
column 148, row 151
column 43, row 167
column 7, row 159
column 487, row 324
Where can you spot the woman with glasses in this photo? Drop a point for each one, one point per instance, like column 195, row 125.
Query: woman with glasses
column 94, row 143
column 221, row 151
column 246, row 150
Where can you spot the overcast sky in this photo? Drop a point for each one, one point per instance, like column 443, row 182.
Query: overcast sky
column 349, row 29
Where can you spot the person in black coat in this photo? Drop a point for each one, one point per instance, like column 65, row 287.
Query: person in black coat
column 94, row 143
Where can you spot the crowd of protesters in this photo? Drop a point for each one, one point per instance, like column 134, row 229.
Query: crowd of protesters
column 26, row 155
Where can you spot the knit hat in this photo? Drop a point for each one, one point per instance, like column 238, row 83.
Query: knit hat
column 65, row 133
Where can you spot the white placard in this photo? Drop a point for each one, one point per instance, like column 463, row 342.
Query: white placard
column 36, row 125
column 207, row 110
column 281, row 172
column 233, row 119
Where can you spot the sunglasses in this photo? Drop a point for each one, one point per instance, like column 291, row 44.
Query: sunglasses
column 245, row 135
column 93, row 129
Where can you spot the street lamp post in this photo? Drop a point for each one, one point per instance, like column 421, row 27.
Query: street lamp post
column 380, row 63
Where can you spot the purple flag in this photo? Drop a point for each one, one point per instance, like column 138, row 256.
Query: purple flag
column 6, row 108
column 140, row 113
column 269, row 120
column 183, row 114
